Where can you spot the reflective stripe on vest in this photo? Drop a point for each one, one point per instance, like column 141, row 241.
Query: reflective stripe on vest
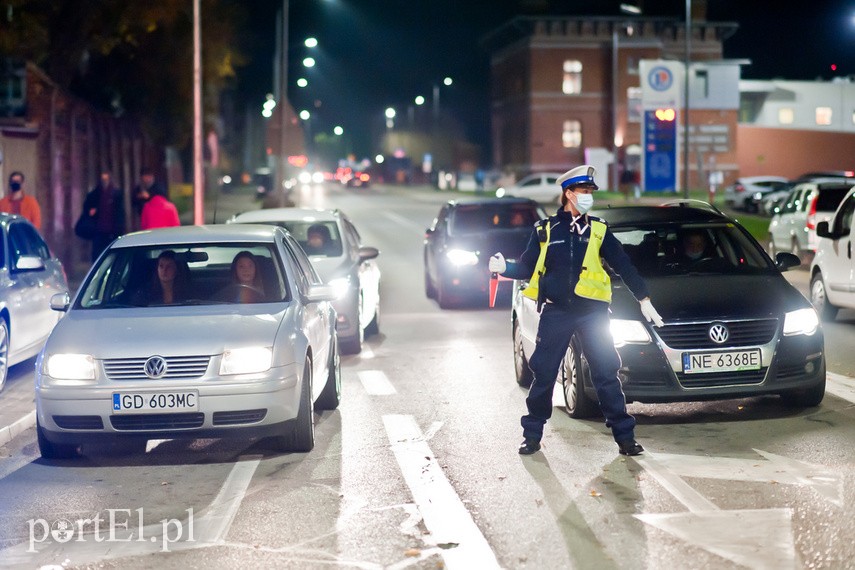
column 531, row 289
column 594, row 282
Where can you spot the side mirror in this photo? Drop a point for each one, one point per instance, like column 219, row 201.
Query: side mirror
column 60, row 302
column 319, row 293
column 822, row 230
column 366, row 253
column 786, row 260
column 429, row 232
column 29, row 263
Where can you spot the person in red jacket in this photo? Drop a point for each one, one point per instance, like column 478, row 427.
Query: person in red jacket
column 159, row 212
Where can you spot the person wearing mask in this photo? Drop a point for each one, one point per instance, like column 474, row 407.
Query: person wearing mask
column 566, row 276
column 694, row 246
column 17, row 202
column 103, row 216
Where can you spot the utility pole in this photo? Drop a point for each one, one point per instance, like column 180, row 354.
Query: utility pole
column 198, row 174
column 281, row 160
column 688, row 35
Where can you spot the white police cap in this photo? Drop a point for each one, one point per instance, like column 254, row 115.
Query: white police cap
column 581, row 175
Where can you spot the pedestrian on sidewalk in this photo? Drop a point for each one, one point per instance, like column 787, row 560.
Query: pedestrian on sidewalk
column 17, row 202
column 103, row 217
column 159, row 212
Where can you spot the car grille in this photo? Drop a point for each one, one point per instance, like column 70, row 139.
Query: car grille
column 145, row 422
column 717, row 379
column 239, row 417
column 79, row 422
column 177, row 368
column 696, row 335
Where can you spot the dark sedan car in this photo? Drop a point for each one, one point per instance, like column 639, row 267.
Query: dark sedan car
column 463, row 237
column 734, row 326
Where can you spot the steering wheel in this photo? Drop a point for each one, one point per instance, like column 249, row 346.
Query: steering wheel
column 256, row 294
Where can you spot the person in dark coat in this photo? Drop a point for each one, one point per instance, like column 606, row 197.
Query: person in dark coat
column 105, row 205
column 147, row 188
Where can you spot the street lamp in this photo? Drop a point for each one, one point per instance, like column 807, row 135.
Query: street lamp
column 688, row 34
column 446, row 81
column 635, row 11
column 390, row 117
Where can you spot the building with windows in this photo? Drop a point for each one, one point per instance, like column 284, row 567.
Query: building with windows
column 791, row 127
column 564, row 89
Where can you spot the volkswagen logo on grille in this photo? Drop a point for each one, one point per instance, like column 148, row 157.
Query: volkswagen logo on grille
column 155, row 367
column 719, row 333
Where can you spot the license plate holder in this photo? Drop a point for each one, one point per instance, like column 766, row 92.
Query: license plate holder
column 155, row 402
column 724, row 361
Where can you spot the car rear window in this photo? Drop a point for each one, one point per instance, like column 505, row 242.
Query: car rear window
column 830, row 198
column 475, row 218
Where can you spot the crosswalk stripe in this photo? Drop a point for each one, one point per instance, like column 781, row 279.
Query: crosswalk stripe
column 376, row 383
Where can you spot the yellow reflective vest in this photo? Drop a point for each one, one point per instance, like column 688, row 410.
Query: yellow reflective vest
column 594, row 283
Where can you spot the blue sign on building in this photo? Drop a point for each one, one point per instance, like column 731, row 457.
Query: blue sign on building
column 660, row 150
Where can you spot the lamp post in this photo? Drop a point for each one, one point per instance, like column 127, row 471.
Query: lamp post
column 283, row 101
column 688, row 34
column 198, row 174
column 625, row 9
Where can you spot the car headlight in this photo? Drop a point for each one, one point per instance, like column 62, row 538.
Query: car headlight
column 802, row 321
column 70, row 367
column 340, row 285
column 500, row 192
column 624, row 331
column 461, row 257
column 246, row 360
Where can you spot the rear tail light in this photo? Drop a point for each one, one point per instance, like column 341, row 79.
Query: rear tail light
column 739, row 188
column 811, row 217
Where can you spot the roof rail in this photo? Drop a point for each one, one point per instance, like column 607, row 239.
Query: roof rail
column 692, row 203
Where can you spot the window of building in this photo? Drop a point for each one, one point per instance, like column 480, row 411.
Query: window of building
column 701, row 83
column 633, row 104
column 632, row 65
column 823, row 115
column 571, row 137
column 572, row 83
column 786, row 116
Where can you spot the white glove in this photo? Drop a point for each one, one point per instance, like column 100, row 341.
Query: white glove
column 497, row 263
column 650, row 313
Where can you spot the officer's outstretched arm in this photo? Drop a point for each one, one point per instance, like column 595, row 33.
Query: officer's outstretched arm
column 651, row 314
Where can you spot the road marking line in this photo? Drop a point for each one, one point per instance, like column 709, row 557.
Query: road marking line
column 672, row 483
column 443, row 512
column 214, row 524
column 840, row 386
column 376, row 383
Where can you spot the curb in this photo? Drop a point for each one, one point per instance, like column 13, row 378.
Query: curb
column 17, row 427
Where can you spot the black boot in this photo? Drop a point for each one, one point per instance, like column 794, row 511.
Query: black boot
column 629, row 447
column 529, row 446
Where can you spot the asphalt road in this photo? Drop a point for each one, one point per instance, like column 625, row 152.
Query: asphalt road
column 418, row 468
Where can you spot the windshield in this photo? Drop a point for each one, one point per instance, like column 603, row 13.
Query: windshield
column 203, row 274
column 673, row 249
column 318, row 239
column 476, row 218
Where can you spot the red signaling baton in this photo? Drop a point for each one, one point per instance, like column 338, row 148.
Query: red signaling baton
column 494, row 288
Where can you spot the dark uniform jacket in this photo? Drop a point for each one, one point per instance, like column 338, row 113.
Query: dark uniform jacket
column 564, row 257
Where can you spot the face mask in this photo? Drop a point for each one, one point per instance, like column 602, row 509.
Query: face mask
column 694, row 255
column 15, row 186
column 584, row 202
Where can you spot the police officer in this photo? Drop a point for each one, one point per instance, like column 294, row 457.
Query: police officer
column 562, row 263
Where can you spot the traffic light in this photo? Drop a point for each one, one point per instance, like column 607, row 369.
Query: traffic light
column 665, row 114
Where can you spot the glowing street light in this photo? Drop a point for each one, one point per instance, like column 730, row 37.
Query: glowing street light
column 447, row 81
column 302, row 82
column 390, row 113
column 420, row 100
column 338, row 130
column 379, row 159
column 305, row 115
column 309, row 62
column 311, row 42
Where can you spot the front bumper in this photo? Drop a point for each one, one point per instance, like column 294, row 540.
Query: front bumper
column 227, row 407
column 650, row 373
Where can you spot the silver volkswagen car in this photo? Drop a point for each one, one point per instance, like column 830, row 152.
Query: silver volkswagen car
column 202, row 331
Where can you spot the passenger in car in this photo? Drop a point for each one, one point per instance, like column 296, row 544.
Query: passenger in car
column 247, row 285
column 170, row 283
column 317, row 240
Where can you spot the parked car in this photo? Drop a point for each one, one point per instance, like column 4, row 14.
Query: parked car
column 342, row 262
column 29, row 275
column 746, row 193
column 542, row 187
column 793, row 226
column 462, row 238
column 832, row 272
column 127, row 363
column 772, row 201
column 734, row 326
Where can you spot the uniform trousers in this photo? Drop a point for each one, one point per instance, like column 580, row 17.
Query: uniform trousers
column 557, row 326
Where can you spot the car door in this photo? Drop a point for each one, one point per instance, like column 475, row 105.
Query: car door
column 368, row 273
column 31, row 318
column 839, row 269
column 317, row 316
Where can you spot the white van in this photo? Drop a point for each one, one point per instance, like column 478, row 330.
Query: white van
column 832, row 283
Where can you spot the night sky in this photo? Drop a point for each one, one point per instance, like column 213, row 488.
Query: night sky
column 378, row 53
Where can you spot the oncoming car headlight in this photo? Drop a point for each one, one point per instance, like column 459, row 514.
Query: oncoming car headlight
column 246, row 360
column 624, row 332
column 461, row 257
column 802, row 321
column 70, row 367
column 340, row 286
